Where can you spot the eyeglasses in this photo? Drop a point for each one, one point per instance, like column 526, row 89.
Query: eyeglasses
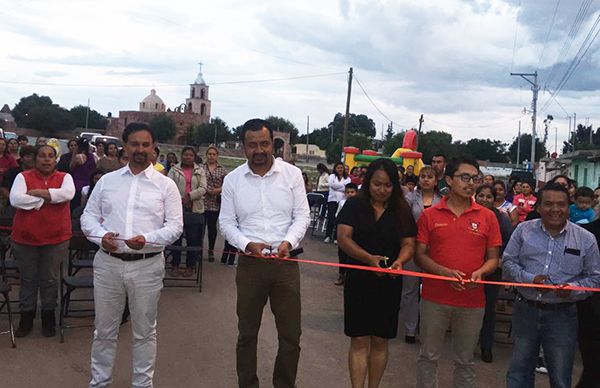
column 466, row 178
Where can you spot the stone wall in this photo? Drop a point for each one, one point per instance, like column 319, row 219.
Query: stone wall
column 182, row 120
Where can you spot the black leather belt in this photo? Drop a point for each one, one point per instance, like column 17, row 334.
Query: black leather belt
column 132, row 256
column 546, row 306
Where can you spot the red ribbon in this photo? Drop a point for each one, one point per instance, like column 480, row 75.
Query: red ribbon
column 383, row 270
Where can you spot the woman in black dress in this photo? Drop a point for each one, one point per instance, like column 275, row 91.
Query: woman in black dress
column 376, row 228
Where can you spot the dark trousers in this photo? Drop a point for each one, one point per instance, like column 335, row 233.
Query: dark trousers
column 589, row 340
column 211, row 217
column 488, row 328
column 331, row 209
column 342, row 260
column 194, row 233
column 259, row 280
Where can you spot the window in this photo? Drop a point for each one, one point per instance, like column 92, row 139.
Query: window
column 585, row 177
column 143, row 104
column 193, row 93
column 190, row 107
column 156, row 106
column 202, row 94
column 202, row 109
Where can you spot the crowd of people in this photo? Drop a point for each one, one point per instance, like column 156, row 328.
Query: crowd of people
column 507, row 231
column 447, row 219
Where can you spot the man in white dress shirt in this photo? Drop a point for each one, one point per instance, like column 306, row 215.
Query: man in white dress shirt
column 264, row 210
column 133, row 213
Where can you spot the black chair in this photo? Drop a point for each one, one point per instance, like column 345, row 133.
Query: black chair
column 78, row 259
column 507, row 295
column 5, row 291
column 180, row 282
column 317, row 203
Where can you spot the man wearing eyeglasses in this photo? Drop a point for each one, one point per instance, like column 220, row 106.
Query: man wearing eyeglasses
column 551, row 251
column 460, row 239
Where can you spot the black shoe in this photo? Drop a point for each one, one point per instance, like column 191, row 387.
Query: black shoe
column 48, row 323
column 486, row 356
column 25, row 323
column 340, row 281
column 410, row 339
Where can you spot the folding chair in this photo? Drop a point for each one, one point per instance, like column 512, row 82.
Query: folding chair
column 178, row 281
column 5, row 291
column 317, row 202
column 508, row 295
column 78, row 259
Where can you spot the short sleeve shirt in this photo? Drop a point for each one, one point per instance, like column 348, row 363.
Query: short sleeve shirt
column 381, row 237
column 457, row 243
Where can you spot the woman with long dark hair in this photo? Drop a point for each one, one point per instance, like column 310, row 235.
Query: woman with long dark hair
column 503, row 205
column 486, row 195
column 337, row 182
column 375, row 229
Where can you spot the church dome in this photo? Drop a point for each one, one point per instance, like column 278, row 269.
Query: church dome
column 152, row 103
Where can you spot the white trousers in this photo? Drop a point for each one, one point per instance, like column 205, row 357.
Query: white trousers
column 140, row 282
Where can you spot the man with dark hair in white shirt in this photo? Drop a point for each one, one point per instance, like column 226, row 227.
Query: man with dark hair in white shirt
column 133, row 213
column 264, row 211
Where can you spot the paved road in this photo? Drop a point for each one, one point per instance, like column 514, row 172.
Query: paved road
column 196, row 341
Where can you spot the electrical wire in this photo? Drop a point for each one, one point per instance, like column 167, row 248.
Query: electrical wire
column 375, row 105
column 548, row 34
column 166, row 85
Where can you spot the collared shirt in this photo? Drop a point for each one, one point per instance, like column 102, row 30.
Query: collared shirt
column 570, row 257
column 213, row 180
column 458, row 243
column 146, row 204
column 268, row 209
column 337, row 187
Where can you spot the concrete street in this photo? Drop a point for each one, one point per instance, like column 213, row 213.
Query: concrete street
column 197, row 335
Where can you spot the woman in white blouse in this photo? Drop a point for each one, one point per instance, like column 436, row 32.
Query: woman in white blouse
column 337, row 185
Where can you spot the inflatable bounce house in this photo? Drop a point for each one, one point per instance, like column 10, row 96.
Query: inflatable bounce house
column 405, row 156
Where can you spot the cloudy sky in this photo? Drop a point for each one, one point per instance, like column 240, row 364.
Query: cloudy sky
column 447, row 59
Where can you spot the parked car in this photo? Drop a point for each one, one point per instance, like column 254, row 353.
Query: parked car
column 10, row 135
column 89, row 135
column 106, row 139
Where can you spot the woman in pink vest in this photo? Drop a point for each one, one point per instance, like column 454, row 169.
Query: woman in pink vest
column 40, row 236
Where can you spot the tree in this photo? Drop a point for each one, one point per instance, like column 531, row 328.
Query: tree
column 205, row 133
column 393, row 143
column 164, row 127
column 525, row 154
column 480, row 149
column 284, row 125
column 319, row 136
column 580, row 139
column 358, row 140
column 95, row 119
column 356, row 124
column 38, row 112
column 435, row 142
column 389, row 133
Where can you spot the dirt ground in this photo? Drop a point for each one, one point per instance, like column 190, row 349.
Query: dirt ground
column 197, row 335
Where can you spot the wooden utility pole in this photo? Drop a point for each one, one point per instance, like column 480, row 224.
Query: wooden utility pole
column 519, row 144
column 347, row 116
column 420, row 123
column 307, row 123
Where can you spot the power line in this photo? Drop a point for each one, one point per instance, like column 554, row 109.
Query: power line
column 512, row 62
column 548, row 33
column 375, row 105
column 574, row 30
column 165, row 85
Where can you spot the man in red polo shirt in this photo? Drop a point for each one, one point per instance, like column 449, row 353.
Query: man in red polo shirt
column 460, row 239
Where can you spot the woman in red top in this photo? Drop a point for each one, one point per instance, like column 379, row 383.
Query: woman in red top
column 525, row 201
column 13, row 148
column 40, row 236
column 6, row 160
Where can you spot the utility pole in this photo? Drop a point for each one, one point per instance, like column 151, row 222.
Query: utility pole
column 591, row 133
column 574, row 130
column 535, row 89
column 421, row 121
column 347, row 116
column 519, row 144
column 307, row 124
column 87, row 114
column 556, row 140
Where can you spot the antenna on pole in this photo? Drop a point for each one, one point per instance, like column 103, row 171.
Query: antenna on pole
column 535, row 89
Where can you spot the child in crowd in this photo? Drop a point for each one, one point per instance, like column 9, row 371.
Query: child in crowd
column 581, row 211
column 350, row 190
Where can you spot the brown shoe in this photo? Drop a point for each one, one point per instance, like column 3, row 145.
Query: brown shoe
column 189, row 272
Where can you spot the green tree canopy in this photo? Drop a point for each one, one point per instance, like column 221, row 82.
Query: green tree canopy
column 284, row 125
column 39, row 112
column 525, row 154
column 394, row 142
column 205, row 133
column 483, row 149
column 435, row 142
column 95, row 119
column 580, row 140
column 164, row 127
